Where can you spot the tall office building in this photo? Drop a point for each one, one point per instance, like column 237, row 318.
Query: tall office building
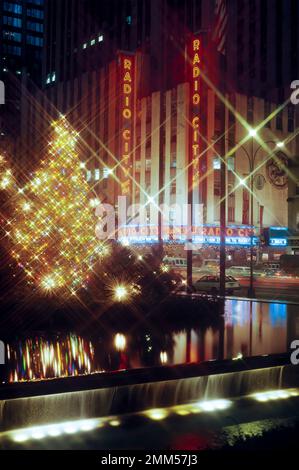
column 21, row 46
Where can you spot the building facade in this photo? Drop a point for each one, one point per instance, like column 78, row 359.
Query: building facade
column 21, row 46
column 139, row 143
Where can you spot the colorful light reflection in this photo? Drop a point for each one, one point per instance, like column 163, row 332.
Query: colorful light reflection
column 40, row 359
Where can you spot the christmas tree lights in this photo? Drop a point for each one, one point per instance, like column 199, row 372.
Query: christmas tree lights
column 54, row 224
column 6, row 176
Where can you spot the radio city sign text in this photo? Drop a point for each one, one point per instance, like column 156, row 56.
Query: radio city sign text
column 195, row 106
column 127, row 80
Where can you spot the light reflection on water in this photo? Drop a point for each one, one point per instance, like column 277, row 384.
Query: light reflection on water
column 250, row 329
column 39, row 358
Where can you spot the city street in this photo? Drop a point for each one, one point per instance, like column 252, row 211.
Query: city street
column 274, row 288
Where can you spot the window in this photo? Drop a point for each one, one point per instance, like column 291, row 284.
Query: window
column 173, row 188
column 12, row 7
column 12, row 21
column 92, row 42
column 14, row 50
column 38, row 27
column 35, row 13
column 101, row 38
column 231, row 163
column 35, row 41
column 216, row 163
column 36, row 2
column 106, row 172
column 96, row 174
column 12, row 36
column 88, row 175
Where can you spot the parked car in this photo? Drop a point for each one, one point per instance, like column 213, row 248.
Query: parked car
column 211, row 284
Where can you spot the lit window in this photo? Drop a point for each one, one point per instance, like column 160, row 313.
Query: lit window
column 216, row 163
column 33, row 26
column 106, row 172
column 12, row 21
column 35, row 13
column 101, row 38
column 92, row 42
column 12, row 36
column 12, row 7
column 34, row 41
column 14, row 50
column 96, row 174
column 37, row 2
column 53, row 78
column 88, row 175
column 84, row 45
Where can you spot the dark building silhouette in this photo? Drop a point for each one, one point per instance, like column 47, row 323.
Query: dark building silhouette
column 21, row 51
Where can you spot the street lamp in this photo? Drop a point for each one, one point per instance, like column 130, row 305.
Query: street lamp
column 251, row 160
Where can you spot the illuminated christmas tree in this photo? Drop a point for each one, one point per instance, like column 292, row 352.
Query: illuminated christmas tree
column 7, row 181
column 54, row 224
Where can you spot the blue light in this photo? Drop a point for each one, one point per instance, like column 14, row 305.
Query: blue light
column 278, row 314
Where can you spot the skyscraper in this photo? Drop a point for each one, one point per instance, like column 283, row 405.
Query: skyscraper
column 21, row 46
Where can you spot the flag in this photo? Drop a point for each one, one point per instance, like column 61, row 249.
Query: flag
column 219, row 35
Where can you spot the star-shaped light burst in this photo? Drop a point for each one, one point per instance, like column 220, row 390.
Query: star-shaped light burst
column 6, row 177
column 54, row 226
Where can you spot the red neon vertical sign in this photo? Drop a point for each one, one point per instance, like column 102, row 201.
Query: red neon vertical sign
column 127, row 75
column 195, row 101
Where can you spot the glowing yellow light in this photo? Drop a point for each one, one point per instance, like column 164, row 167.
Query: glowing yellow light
column 121, row 293
column 157, row 414
column 26, row 206
column 51, row 281
column 55, row 239
column 252, row 132
column 114, row 422
column 120, row 342
column 279, row 144
column 5, row 182
column 94, row 202
column 163, row 357
column 214, row 405
column 274, row 395
column 55, row 430
column 238, row 356
column 164, row 268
